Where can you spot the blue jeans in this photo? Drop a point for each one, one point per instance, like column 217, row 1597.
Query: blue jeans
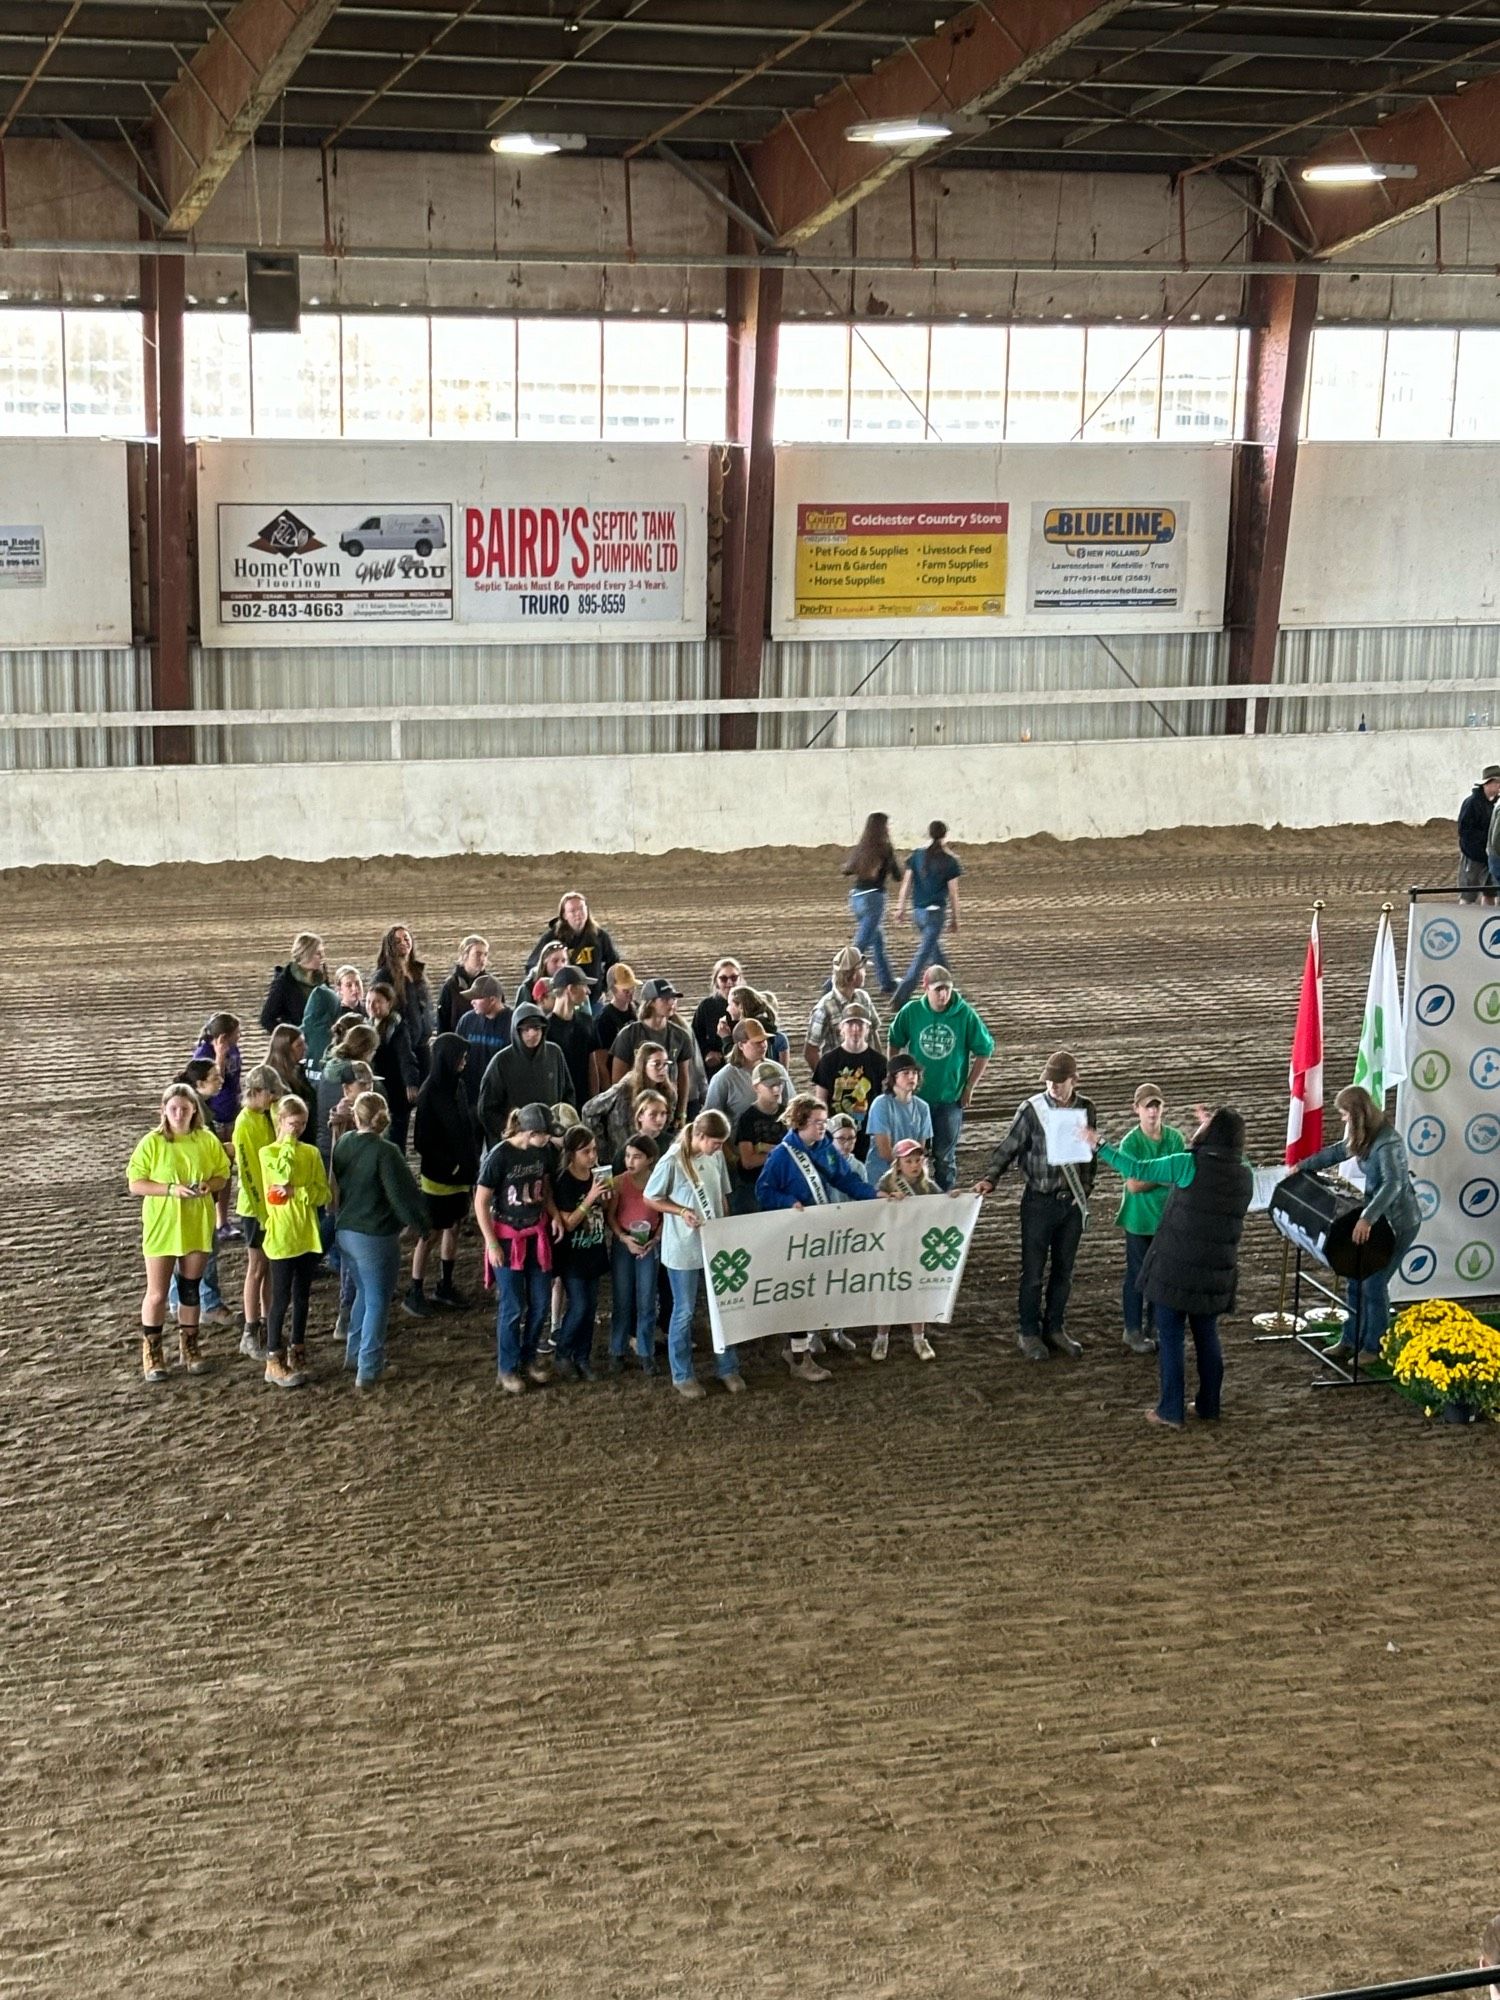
column 680, row 1333
column 209, row 1299
column 525, row 1300
column 632, row 1306
column 947, row 1124
column 575, row 1337
column 1139, row 1317
column 1372, row 1301
column 369, row 1263
column 868, row 907
column 1171, row 1330
column 929, row 925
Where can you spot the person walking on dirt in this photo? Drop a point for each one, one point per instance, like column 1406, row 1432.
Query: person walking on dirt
column 872, row 863
column 954, row 1047
column 1054, row 1209
column 930, row 889
column 1192, row 1268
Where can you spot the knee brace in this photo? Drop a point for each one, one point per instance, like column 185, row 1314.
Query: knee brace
column 187, row 1290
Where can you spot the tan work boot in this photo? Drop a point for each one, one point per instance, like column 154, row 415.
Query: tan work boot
column 153, row 1360
column 278, row 1375
column 296, row 1358
column 805, row 1369
column 189, row 1352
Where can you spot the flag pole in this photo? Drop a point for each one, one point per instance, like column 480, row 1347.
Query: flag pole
column 1282, row 1325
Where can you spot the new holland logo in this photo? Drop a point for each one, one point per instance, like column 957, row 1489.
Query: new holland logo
column 286, row 536
column 941, row 1249
column 1087, row 528
column 730, row 1272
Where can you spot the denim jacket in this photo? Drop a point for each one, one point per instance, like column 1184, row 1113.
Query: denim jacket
column 1388, row 1190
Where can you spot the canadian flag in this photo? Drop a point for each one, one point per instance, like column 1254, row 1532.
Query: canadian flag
column 1304, row 1123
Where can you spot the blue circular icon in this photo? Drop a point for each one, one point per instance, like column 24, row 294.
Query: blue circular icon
column 1489, row 937
column 1440, row 937
column 1482, row 1133
column 1484, row 1068
column 1479, row 1197
column 1418, row 1265
column 1429, row 1200
column 1434, row 1005
column 1425, row 1135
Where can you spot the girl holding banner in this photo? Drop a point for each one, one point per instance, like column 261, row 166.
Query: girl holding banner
column 690, row 1186
column 800, row 1173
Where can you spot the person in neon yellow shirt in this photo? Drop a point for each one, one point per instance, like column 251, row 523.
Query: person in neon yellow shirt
column 254, row 1129
column 296, row 1187
column 176, row 1171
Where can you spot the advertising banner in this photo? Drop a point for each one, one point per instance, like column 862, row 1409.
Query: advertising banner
column 1107, row 557
column 866, row 1263
column 560, row 563
column 1448, row 1109
column 928, row 559
column 23, row 558
column 318, row 562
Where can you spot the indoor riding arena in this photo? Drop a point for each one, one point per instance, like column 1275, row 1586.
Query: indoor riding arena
column 623, row 620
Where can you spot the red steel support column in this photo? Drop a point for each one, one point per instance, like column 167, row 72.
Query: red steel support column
column 167, row 503
column 749, row 493
column 1282, row 312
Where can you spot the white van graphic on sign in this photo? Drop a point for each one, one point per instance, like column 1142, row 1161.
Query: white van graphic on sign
column 421, row 533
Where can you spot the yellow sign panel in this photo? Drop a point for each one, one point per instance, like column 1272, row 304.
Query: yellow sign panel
column 930, row 560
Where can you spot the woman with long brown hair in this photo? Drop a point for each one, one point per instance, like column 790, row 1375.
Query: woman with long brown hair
column 399, row 967
column 285, row 1053
column 611, row 1115
column 872, row 863
column 1370, row 1138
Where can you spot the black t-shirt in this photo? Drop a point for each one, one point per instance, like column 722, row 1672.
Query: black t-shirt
column 576, row 1042
column 517, row 1178
column 584, row 1250
column 706, row 1018
column 754, row 1127
column 674, row 1038
column 610, row 1022
column 852, row 1083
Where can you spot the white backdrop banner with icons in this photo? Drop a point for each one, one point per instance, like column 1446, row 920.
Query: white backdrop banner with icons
column 1448, row 1110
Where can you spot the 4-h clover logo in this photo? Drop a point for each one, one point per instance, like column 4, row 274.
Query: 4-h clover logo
column 941, row 1249
column 730, row 1272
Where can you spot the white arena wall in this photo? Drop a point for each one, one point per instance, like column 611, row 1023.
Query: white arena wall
column 144, row 816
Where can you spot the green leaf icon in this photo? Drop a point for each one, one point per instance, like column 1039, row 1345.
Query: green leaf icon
column 941, row 1249
column 729, row 1271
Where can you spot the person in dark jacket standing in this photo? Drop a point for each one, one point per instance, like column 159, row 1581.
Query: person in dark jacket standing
column 530, row 1071
column 570, row 1028
column 588, row 945
column 486, row 1029
column 448, row 1155
column 1191, row 1271
column 292, row 983
column 453, row 1000
column 399, row 967
column 1475, row 816
column 393, row 1062
column 1054, row 1209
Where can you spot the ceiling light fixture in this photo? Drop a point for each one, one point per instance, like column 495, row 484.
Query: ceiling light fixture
column 1355, row 173
column 899, row 132
column 532, row 145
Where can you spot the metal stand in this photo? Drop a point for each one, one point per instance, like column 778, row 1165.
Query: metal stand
column 1339, row 1377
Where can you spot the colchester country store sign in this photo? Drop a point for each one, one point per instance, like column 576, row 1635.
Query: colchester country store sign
column 869, row 1263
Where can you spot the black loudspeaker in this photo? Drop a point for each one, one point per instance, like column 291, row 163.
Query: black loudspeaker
column 273, row 292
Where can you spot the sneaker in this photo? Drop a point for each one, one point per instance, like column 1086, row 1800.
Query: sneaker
column 341, row 1327
column 510, row 1382
column 229, row 1232
column 278, row 1375
column 880, row 1346
column 379, row 1381
column 219, row 1315
column 1063, row 1343
column 1140, row 1343
column 805, row 1369
column 153, row 1359
column 563, row 1370
column 415, row 1306
column 538, row 1371
column 843, row 1343
column 735, row 1384
column 691, row 1391
column 189, row 1352
column 923, row 1348
column 815, row 1344
column 252, row 1341
column 1033, row 1348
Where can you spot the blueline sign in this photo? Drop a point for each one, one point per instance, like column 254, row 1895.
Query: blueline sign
column 850, row 1264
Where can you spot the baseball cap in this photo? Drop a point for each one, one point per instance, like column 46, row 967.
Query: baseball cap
column 937, row 975
column 568, row 975
column 842, row 1122
column 1056, row 1067
column 1147, row 1093
column 904, row 1148
column 659, row 989
column 486, row 987
column 854, row 1014
column 533, row 1118
column 770, row 1072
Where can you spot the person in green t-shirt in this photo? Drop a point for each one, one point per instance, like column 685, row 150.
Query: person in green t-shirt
column 1140, row 1211
column 175, row 1172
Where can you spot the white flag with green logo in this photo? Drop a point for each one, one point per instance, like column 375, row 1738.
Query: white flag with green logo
column 1382, row 1041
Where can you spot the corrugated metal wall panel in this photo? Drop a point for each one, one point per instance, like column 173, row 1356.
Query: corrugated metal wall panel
column 326, row 679
column 53, row 683
column 1397, row 654
column 968, row 666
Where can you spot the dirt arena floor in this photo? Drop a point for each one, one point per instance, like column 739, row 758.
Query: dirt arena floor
column 954, row 1680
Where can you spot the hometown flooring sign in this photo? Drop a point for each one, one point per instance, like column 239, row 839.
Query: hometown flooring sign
column 869, row 1263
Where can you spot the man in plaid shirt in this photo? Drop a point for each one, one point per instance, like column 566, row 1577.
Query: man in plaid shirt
column 1054, row 1209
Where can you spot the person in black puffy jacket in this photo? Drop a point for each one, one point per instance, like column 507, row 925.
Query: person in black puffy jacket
column 448, row 1153
column 292, row 983
column 1191, row 1271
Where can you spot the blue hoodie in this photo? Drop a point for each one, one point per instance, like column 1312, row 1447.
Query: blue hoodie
column 782, row 1183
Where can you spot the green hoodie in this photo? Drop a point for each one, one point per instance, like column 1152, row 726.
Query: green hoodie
column 946, row 1043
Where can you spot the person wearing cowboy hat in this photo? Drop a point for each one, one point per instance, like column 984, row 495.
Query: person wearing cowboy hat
column 1476, row 835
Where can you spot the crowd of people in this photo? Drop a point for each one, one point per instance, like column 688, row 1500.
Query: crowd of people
column 586, row 1131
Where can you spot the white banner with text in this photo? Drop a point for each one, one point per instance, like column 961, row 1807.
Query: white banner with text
column 866, row 1263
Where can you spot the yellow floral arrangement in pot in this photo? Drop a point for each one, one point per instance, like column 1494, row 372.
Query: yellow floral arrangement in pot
column 1445, row 1359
